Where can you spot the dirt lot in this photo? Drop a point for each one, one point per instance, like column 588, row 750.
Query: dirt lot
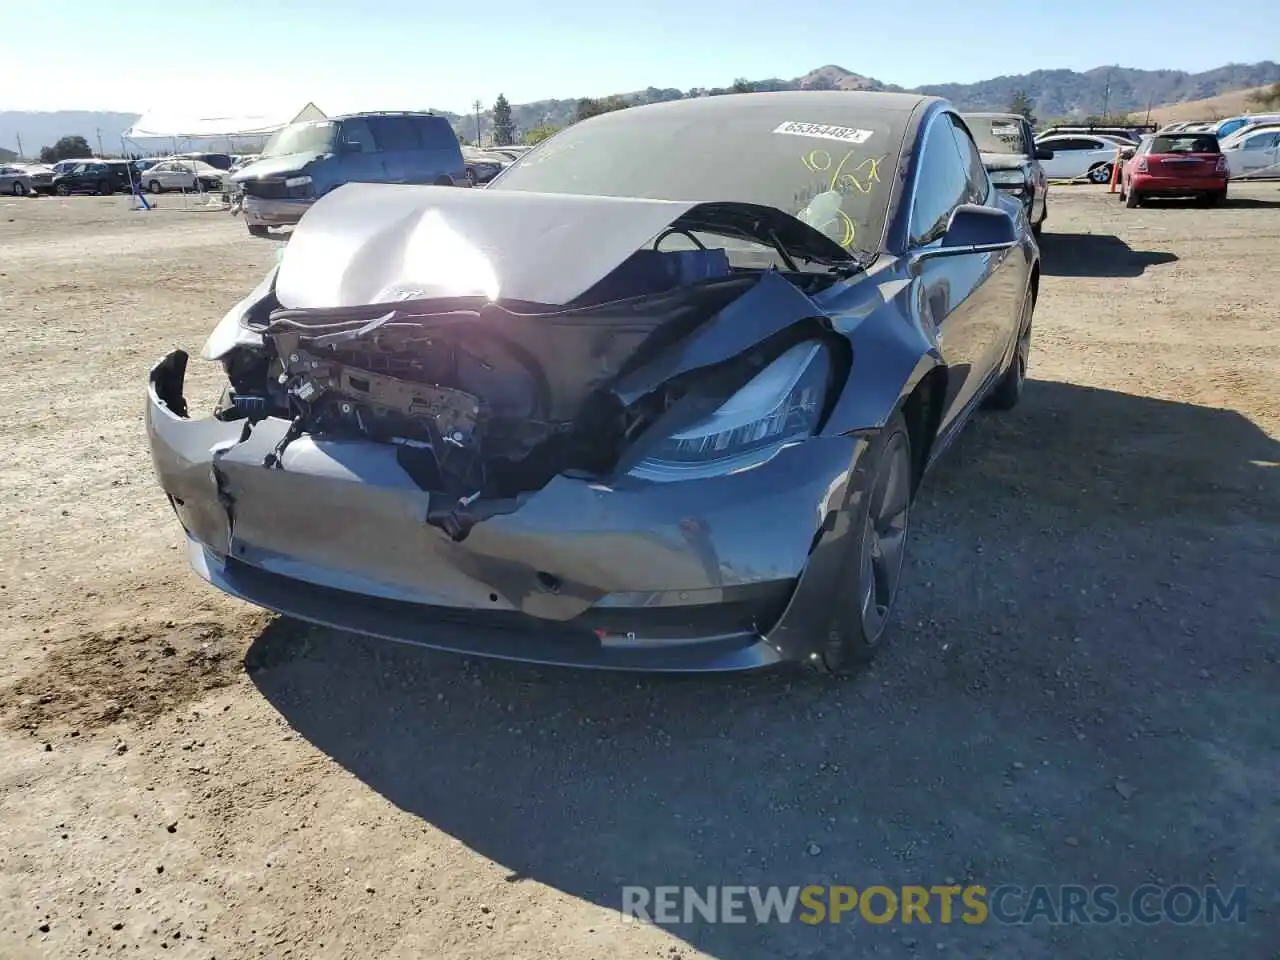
column 1083, row 684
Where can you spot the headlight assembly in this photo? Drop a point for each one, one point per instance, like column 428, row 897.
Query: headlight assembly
column 299, row 187
column 1008, row 178
column 782, row 403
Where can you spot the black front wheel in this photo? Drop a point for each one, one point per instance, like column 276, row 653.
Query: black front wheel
column 1132, row 199
column 257, row 230
column 62, row 190
column 1100, row 173
column 878, row 530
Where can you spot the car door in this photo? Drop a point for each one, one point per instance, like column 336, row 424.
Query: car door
column 950, row 295
column 360, row 153
column 997, row 300
column 1256, row 154
column 1039, row 180
column 1064, row 157
column 400, row 146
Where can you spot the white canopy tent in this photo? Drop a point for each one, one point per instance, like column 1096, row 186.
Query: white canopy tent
column 174, row 127
column 159, row 125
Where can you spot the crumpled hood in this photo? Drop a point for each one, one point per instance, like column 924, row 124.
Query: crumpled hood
column 367, row 243
column 1004, row 161
column 274, row 166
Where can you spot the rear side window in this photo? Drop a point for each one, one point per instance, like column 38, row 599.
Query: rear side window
column 1185, row 143
column 436, row 132
column 1072, row 143
column 396, row 133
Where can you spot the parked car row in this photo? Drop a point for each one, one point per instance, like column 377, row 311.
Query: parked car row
column 20, row 180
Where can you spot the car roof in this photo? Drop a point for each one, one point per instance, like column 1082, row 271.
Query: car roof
column 365, row 114
column 994, row 116
column 803, row 102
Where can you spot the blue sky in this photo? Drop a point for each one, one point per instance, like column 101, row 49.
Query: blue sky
column 221, row 58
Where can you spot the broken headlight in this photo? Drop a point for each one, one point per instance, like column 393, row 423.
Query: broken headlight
column 783, row 402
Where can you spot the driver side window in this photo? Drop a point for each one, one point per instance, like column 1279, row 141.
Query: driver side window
column 941, row 184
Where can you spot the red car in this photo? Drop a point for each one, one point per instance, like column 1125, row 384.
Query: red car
column 1175, row 165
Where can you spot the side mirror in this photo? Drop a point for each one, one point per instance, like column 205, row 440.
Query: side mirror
column 974, row 229
column 1044, row 153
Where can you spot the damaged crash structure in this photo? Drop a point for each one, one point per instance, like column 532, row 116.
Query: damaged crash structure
column 615, row 449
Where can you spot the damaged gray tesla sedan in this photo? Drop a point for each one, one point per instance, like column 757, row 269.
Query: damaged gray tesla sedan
column 659, row 397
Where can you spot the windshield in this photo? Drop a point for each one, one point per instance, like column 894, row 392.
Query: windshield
column 314, row 136
column 832, row 171
column 998, row 135
column 1184, row 143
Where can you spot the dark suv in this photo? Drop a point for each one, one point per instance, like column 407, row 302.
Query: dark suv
column 306, row 160
column 95, row 176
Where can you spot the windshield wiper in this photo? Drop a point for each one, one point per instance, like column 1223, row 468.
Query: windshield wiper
column 843, row 268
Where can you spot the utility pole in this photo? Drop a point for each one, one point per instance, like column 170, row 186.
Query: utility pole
column 21, row 155
column 477, row 105
column 1150, row 100
column 1106, row 97
column 98, row 131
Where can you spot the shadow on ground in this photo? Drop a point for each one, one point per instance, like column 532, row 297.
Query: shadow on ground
column 1246, row 203
column 1095, row 255
column 1080, row 690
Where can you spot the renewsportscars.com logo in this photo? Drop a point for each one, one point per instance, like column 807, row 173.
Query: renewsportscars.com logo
column 944, row 903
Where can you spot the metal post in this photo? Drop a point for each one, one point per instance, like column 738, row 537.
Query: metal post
column 477, row 106
column 21, row 155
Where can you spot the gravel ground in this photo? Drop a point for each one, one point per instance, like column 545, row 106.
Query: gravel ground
column 1082, row 685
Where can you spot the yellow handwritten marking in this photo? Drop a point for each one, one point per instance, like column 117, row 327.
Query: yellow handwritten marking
column 818, row 161
column 850, row 231
column 861, row 178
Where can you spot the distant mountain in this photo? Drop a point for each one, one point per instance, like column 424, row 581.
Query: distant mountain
column 1115, row 90
column 1055, row 93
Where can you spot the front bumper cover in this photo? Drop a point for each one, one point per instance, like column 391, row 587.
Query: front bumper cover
column 260, row 212
column 729, row 573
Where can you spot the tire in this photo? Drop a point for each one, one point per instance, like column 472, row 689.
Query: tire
column 1008, row 391
column 1132, row 199
column 1038, row 227
column 471, row 177
column 257, row 230
column 154, row 187
column 1214, row 198
column 19, row 188
column 62, row 190
column 882, row 523
column 104, row 189
column 1100, row 174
